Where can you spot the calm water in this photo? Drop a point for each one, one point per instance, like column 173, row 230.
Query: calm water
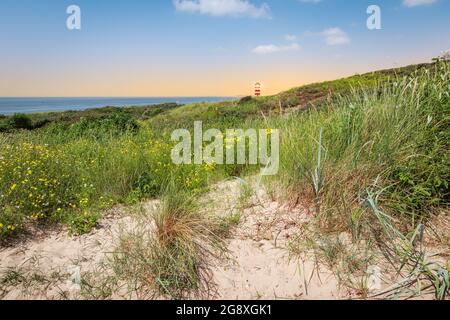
column 32, row 105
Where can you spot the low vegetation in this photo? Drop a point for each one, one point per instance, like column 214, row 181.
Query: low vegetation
column 368, row 155
column 172, row 249
column 373, row 165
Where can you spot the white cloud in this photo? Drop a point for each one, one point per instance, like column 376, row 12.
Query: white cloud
column 290, row 37
column 310, row 1
column 236, row 8
column 335, row 37
column 271, row 48
column 415, row 3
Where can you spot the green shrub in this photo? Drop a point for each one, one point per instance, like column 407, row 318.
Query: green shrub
column 245, row 100
column 120, row 122
column 4, row 126
column 20, row 121
column 117, row 123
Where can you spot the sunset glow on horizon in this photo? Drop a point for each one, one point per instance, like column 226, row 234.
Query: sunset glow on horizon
column 193, row 48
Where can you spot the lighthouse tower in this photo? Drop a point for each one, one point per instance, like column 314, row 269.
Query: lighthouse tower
column 257, row 89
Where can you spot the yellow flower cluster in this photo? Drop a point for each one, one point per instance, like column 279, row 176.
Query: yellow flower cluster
column 65, row 179
column 36, row 181
column 25, row 169
column 5, row 229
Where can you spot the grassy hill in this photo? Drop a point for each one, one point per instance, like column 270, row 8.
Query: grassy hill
column 300, row 98
column 368, row 155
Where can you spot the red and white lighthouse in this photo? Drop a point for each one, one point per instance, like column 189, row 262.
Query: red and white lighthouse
column 257, row 89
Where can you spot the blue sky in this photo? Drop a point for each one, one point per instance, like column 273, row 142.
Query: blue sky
column 207, row 47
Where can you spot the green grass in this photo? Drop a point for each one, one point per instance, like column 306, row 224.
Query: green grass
column 385, row 132
column 172, row 249
column 392, row 140
column 64, row 175
column 390, row 137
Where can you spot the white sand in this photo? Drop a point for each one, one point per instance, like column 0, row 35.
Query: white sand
column 260, row 267
column 48, row 264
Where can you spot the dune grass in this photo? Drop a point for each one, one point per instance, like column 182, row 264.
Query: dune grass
column 391, row 140
column 383, row 133
column 167, row 252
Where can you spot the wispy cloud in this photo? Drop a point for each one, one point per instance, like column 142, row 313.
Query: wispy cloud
column 408, row 3
column 235, row 8
column 310, row 1
column 415, row 3
column 290, row 37
column 335, row 37
column 271, row 48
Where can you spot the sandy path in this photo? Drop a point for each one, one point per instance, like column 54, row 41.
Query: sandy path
column 44, row 265
column 47, row 265
column 260, row 267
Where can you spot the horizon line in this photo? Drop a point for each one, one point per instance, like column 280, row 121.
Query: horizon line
column 118, row 97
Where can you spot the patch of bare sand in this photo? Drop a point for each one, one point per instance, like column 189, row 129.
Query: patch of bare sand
column 260, row 266
column 42, row 266
column 48, row 264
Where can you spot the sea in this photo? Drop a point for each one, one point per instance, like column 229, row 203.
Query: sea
column 10, row 106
